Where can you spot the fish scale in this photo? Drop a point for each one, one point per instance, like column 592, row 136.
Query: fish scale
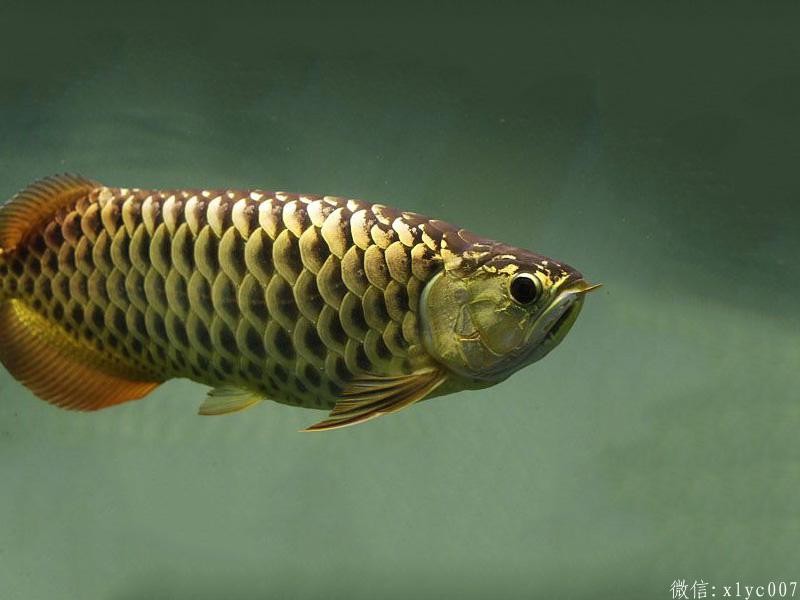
column 314, row 301
column 293, row 295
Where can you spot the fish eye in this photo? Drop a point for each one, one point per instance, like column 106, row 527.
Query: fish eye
column 524, row 288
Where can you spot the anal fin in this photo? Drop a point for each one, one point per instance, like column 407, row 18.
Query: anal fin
column 225, row 400
column 60, row 369
column 370, row 397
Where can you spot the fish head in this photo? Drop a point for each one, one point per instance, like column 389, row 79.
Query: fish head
column 494, row 309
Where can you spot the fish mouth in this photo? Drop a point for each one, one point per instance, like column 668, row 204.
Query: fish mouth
column 560, row 316
column 562, row 325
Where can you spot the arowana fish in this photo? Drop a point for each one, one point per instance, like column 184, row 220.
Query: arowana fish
column 320, row 302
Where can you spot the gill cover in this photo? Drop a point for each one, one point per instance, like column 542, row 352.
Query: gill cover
column 480, row 323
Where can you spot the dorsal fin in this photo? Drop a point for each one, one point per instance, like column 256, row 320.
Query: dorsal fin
column 58, row 368
column 33, row 205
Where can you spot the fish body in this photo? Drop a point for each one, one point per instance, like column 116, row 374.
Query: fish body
column 321, row 302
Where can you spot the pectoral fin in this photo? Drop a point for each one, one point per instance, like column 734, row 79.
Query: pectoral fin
column 370, row 397
column 225, row 400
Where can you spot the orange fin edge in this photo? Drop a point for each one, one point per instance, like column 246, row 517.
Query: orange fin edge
column 57, row 368
column 33, row 205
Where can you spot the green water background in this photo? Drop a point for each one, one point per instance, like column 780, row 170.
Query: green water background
column 653, row 146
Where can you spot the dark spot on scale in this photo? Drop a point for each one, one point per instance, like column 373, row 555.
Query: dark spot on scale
column 312, row 375
column 76, row 314
column 300, row 386
column 139, row 325
column 202, row 362
column 58, row 311
column 185, row 251
column 97, row 318
column 45, row 289
column 355, row 315
column 362, row 360
column 61, row 284
column 34, row 267
column 17, row 267
column 201, row 334
column 179, row 331
column 52, row 236
column 38, row 244
column 336, row 330
column 280, row 373
column 314, row 344
column 253, row 370
column 340, row 370
column 209, row 252
column 383, row 350
column 273, row 383
column 51, row 262
column 118, row 320
column 254, row 343
column 228, row 341
column 159, row 327
column 283, row 343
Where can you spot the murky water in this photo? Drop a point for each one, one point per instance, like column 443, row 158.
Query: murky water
column 656, row 153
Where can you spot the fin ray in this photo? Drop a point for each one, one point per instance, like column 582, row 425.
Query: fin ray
column 33, row 205
column 227, row 399
column 60, row 370
column 371, row 397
